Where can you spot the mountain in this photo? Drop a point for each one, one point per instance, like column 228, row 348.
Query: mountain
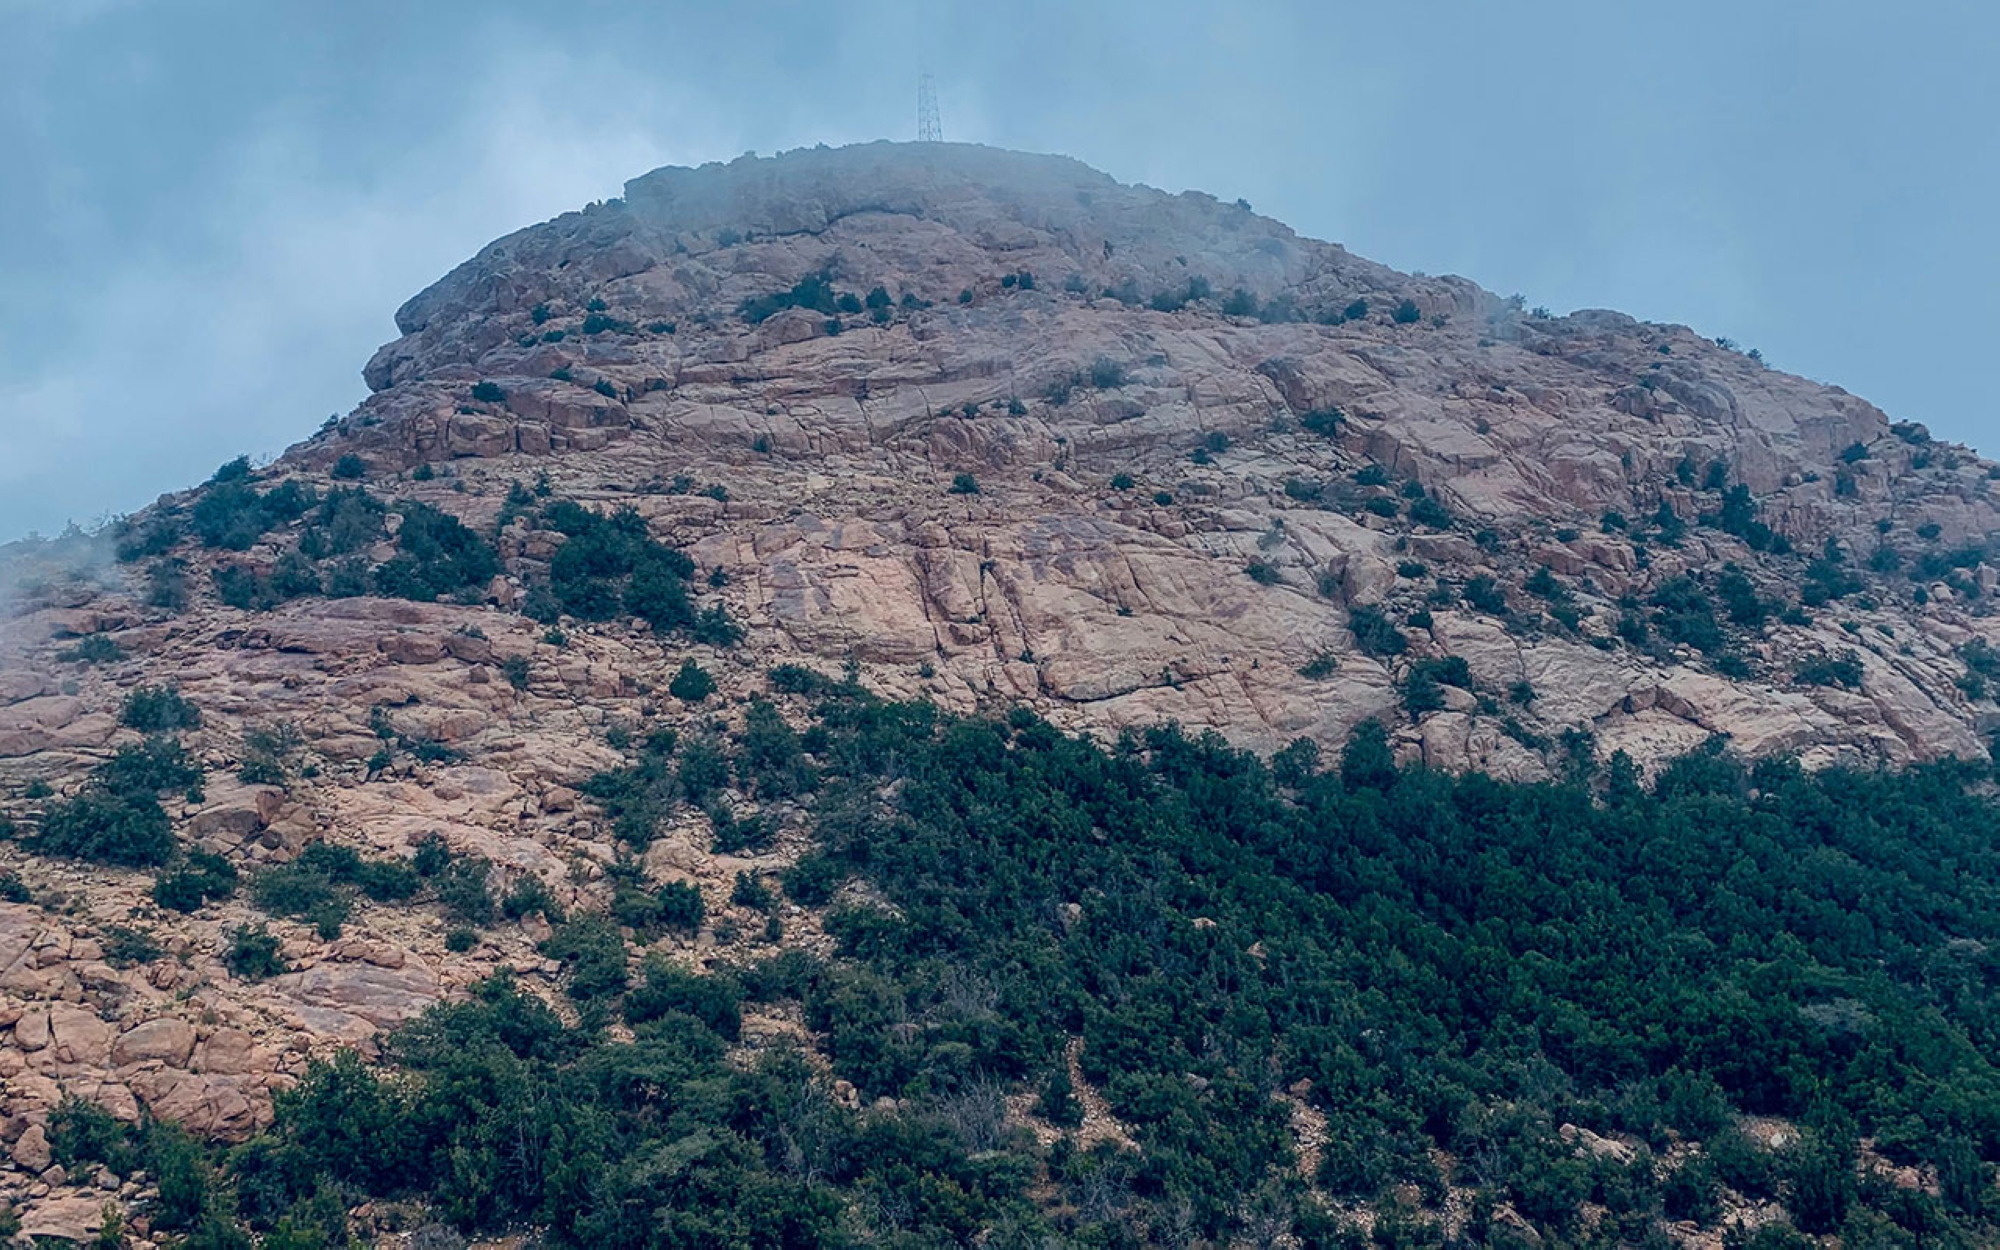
column 655, row 507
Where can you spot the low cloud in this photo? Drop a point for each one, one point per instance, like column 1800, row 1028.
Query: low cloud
column 179, row 361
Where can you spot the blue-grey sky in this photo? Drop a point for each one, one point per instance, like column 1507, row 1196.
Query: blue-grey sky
column 209, row 210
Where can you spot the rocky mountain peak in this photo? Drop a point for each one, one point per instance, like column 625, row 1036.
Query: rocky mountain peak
column 971, row 426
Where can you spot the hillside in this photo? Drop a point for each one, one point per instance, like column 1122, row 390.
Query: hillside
column 733, row 559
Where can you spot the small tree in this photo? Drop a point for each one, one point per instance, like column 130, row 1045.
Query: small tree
column 692, row 683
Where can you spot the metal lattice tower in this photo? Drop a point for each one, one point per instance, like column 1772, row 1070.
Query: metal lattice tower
column 929, row 129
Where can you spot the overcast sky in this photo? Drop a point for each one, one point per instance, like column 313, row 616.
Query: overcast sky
column 209, row 210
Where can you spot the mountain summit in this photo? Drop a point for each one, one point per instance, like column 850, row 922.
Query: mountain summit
column 1200, row 443
column 534, row 631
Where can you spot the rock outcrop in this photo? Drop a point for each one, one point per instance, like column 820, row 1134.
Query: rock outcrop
column 992, row 428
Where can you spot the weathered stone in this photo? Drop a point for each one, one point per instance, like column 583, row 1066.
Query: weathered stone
column 165, row 1039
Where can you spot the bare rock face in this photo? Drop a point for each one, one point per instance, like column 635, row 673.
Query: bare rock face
column 993, row 428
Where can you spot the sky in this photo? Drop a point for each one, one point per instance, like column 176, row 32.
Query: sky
column 209, row 211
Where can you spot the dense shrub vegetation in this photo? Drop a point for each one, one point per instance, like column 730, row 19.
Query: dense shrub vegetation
column 116, row 818
column 610, row 565
column 1448, row 969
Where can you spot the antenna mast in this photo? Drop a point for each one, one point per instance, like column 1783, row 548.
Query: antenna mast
column 929, row 130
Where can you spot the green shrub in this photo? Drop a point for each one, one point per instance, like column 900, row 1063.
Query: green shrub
column 233, row 515
column 1485, row 594
column 1374, row 633
column 432, row 856
column 82, row 1133
column 436, row 556
column 387, row 881
column 1843, row 670
column 116, row 817
column 1428, row 511
column 348, row 520
column 713, row 999
column 1407, row 313
column 691, row 683
column 1321, row 666
column 349, row 468
column 92, row 649
column 680, row 906
column 303, row 891
column 771, row 762
column 532, row 896
column 199, row 878
column 1423, row 686
column 964, row 484
column 159, row 710
column 749, row 891
column 488, row 392
column 254, row 954
column 463, row 887
column 1684, row 614
column 611, row 564
column 593, row 956
column 126, row 947
column 515, row 669
column 814, row 292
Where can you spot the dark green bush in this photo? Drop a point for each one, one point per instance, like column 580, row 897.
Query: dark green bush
column 593, row 957
column 254, row 954
column 195, row 881
column 116, row 817
column 1485, row 594
column 303, row 891
column 814, row 292
column 714, row 999
column 82, row 1133
column 1374, row 633
column 964, row 484
column 463, row 886
column 348, row 520
column 515, row 669
column 1683, row 614
column 490, row 392
column 691, row 683
column 159, row 710
column 1407, row 313
column 1428, row 511
column 1837, row 670
column 92, row 649
column 233, row 515
column 532, row 896
column 437, row 555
